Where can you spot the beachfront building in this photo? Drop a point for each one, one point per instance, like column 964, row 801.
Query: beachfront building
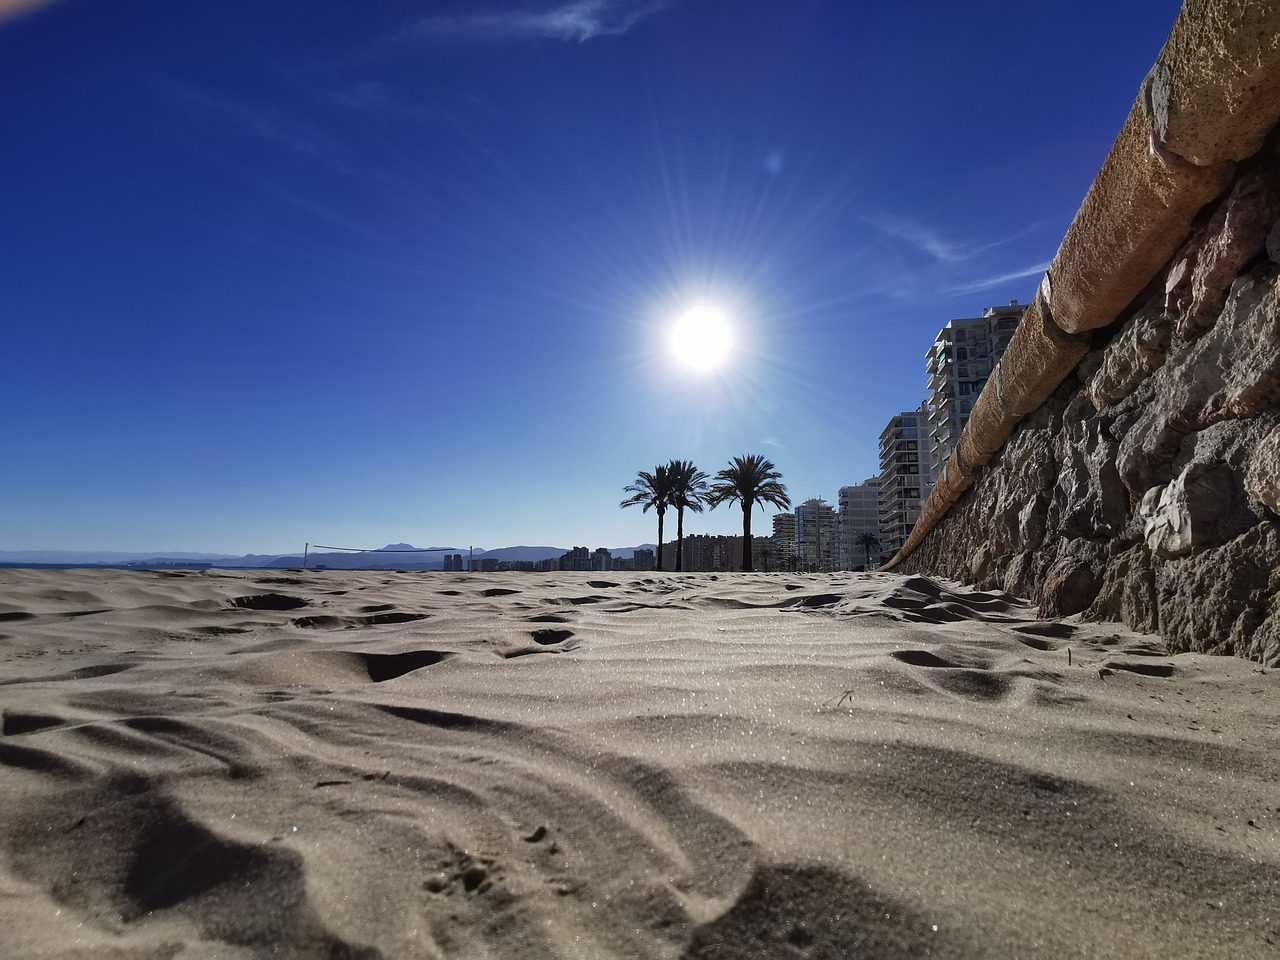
column 902, row 444
column 784, row 541
column 642, row 559
column 815, row 536
column 579, row 558
column 859, row 513
column 718, row 553
column 602, row 559
column 962, row 357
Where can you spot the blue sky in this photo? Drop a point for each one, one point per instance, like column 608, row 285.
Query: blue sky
column 391, row 271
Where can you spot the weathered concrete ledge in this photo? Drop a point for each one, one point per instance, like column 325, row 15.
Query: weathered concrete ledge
column 1123, row 460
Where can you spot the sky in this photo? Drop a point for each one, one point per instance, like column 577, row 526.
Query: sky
column 393, row 271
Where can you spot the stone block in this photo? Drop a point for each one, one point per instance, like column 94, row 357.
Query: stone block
column 1070, row 585
column 1262, row 482
column 1038, row 359
column 1132, row 221
column 1183, row 515
column 1215, row 89
column 1135, row 353
column 988, row 429
column 1235, row 235
column 1128, row 592
column 1219, row 600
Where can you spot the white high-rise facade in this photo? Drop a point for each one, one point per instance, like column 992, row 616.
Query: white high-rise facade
column 815, row 536
column 903, row 454
column 859, row 514
column 959, row 363
column 784, row 540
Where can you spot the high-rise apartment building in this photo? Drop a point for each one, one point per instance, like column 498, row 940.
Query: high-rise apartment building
column 959, row 364
column 784, row 541
column 902, row 445
column 815, row 536
column 859, row 514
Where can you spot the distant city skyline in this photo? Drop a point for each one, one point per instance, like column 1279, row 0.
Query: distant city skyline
column 292, row 272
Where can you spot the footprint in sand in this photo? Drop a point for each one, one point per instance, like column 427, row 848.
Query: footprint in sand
column 547, row 637
column 1162, row 670
column 15, row 722
column 972, row 681
column 922, row 658
column 1056, row 631
column 268, row 601
column 549, row 640
column 388, row 666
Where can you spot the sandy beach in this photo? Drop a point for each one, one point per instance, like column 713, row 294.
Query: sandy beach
column 337, row 764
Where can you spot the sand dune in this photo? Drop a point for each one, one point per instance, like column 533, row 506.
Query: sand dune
column 338, row 764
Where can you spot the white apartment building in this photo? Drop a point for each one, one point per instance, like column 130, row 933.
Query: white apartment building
column 816, row 537
column 902, row 446
column 859, row 514
column 784, row 540
column 961, row 359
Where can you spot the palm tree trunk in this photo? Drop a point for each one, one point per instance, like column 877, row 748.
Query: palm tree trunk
column 659, row 564
column 679, row 539
column 867, row 547
column 746, row 538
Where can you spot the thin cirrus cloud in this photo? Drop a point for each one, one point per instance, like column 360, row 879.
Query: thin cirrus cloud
column 933, row 242
column 577, row 20
column 921, row 237
column 989, row 282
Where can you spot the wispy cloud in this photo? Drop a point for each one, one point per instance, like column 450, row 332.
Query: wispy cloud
column 575, row 20
column 935, row 242
column 978, row 285
column 922, row 237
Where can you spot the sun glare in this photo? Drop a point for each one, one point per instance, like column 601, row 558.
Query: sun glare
column 701, row 338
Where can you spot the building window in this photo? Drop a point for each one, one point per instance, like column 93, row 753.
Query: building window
column 965, row 389
column 962, row 353
column 964, row 373
column 909, row 433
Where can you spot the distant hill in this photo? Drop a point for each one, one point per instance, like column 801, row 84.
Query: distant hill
column 394, row 556
column 521, row 553
column 100, row 557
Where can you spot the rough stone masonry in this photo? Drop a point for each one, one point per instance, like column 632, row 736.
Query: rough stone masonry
column 1140, row 478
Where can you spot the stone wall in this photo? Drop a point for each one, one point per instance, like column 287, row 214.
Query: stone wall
column 1123, row 461
column 1146, row 489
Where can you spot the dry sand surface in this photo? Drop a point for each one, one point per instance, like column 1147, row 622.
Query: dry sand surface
column 337, row 764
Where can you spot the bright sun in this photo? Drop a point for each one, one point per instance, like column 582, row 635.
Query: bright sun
column 701, row 338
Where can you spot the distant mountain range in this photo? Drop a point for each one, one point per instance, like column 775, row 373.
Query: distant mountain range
column 394, row 556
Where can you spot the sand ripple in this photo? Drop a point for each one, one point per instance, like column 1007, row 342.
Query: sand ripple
column 334, row 764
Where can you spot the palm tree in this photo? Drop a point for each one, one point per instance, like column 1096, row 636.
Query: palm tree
column 688, row 490
column 868, row 542
column 749, row 480
column 651, row 490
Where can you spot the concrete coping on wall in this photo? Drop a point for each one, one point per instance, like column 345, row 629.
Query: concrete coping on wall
column 1209, row 101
